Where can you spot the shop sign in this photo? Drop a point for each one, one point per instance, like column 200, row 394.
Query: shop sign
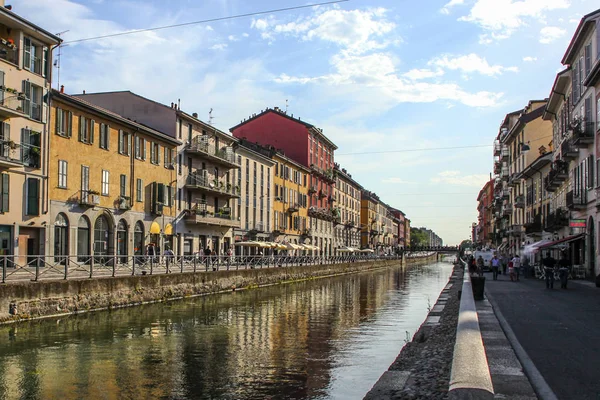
column 577, row 223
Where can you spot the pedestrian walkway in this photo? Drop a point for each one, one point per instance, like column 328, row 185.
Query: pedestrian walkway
column 558, row 331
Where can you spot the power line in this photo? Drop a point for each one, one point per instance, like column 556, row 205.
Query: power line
column 205, row 21
column 428, row 194
column 409, row 150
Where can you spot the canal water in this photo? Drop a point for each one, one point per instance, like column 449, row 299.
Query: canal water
column 323, row 339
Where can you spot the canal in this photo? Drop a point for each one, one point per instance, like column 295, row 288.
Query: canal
column 323, row 339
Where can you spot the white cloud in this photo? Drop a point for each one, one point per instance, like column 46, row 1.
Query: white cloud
column 450, row 4
column 233, row 38
column 397, row 181
column 470, row 63
column 502, row 17
column 218, row 46
column 549, row 34
column 529, row 59
column 455, row 178
column 417, row 74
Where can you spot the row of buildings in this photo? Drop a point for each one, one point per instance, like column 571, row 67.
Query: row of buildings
column 111, row 173
column 546, row 189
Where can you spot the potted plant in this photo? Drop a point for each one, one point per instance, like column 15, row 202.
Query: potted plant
column 92, row 192
column 237, row 188
column 11, row 144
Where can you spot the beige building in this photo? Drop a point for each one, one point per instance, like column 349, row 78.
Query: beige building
column 25, row 72
column 206, row 166
column 347, row 201
column 255, row 205
column 111, row 183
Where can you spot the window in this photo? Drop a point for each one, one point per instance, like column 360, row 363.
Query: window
column 179, row 164
column 34, row 101
column 169, row 156
column 138, row 147
column 35, row 57
column 105, row 180
column 64, row 120
column 62, row 174
column 124, row 143
column 4, row 192
column 33, row 196
column 139, row 190
column 86, row 130
column 104, row 136
column 30, row 147
column 123, row 185
column 154, row 153
column 189, row 133
column 588, row 58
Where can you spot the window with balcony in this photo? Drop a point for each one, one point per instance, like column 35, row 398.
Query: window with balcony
column 30, row 148
column 33, row 101
column 35, row 57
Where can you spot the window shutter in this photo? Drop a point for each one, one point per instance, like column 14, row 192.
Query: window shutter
column 144, row 148
column 588, row 112
column 173, row 156
column 5, row 131
column 129, row 141
column 2, row 83
column 166, row 158
column 33, row 196
column 4, row 194
column 70, row 127
column 121, row 147
column 45, row 61
column 154, row 190
column 58, row 127
column 27, row 101
column 92, row 124
column 27, row 54
column 45, row 105
column 81, row 122
column 152, row 149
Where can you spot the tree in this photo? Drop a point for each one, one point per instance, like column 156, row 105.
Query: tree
column 417, row 238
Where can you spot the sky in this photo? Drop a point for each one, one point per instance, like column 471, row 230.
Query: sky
column 384, row 79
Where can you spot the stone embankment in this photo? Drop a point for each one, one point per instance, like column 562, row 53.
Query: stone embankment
column 422, row 369
column 29, row 300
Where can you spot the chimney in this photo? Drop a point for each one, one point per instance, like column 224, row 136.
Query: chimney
column 84, row 91
column 195, row 115
column 179, row 104
column 62, row 87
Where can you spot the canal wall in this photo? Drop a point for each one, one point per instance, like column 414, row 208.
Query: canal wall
column 31, row 300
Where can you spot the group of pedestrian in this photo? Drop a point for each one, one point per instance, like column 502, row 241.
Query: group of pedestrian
column 551, row 265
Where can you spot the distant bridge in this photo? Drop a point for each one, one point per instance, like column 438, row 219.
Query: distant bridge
column 439, row 249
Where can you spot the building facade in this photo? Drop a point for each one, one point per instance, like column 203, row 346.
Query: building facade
column 485, row 200
column 347, row 200
column 206, row 168
column 256, row 204
column 111, row 183
column 25, row 78
column 307, row 145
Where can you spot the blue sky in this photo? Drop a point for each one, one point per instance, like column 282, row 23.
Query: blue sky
column 376, row 75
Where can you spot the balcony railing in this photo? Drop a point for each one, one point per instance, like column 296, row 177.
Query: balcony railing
column 576, row 201
column 559, row 172
column 557, row 219
column 567, row 151
column 534, row 226
column 326, row 174
column 497, row 148
column 504, row 152
column 11, row 103
column 205, row 183
column 293, row 207
column 200, row 215
column 583, row 134
column 258, row 227
column 520, row 201
column 224, row 156
column 507, row 209
column 89, row 198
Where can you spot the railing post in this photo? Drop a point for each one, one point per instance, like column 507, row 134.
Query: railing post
column 114, row 266
column 167, row 265
column 91, row 267
column 194, row 261
column 207, row 262
column 37, row 269
column 181, row 264
column 66, row 272
column 133, row 268
column 4, row 269
column 151, row 265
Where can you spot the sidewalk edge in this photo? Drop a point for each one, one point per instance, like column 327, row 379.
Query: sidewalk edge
column 539, row 384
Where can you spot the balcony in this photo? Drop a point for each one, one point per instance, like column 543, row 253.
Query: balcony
column 497, row 148
column 306, row 232
column 504, row 153
column 10, row 154
column 326, row 214
column 201, row 147
column 203, row 183
column 507, row 209
column 123, row 203
column 577, row 201
column 312, row 190
column 89, row 198
column 559, row 172
column 520, row 201
column 557, row 219
column 199, row 215
column 583, row 134
column 328, row 175
column 8, row 49
column 11, row 103
column 505, row 194
column 504, row 175
column 258, row 227
column 567, row 151
column 294, row 208
column 534, row 226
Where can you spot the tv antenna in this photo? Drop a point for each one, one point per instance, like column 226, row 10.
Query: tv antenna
column 210, row 117
column 56, row 62
column 286, row 105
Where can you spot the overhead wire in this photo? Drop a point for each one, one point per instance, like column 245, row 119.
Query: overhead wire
column 204, row 21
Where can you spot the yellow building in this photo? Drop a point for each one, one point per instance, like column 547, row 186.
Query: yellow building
column 111, row 182
column 290, row 205
column 348, row 202
column 369, row 219
column 25, row 70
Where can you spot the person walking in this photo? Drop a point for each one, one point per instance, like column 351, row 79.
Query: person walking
column 516, row 266
column 495, row 267
column 564, row 267
column 511, row 270
column 480, row 265
column 505, row 260
column 548, row 263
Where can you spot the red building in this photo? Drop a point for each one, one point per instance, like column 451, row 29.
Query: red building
column 300, row 141
column 484, row 207
column 401, row 217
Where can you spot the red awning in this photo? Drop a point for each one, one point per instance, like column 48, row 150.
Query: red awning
column 562, row 241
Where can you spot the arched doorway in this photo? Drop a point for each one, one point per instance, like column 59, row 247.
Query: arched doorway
column 103, row 236
column 592, row 246
column 138, row 239
column 122, row 241
column 83, row 240
column 61, row 238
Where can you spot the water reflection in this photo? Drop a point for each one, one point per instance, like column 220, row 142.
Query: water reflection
column 329, row 338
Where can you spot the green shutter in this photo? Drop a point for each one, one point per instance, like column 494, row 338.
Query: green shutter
column 91, row 132
column 4, row 194
column 153, row 189
column 70, row 128
column 81, row 122
column 33, row 190
column 58, row 127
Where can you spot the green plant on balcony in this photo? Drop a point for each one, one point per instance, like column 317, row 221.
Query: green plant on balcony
column 229, row 187
column 237, row 189
column 215, row 182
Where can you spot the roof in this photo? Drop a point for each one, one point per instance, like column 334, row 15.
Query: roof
column 557, row 91
column 176, row 110
column 264, row 157
column 10, row 14
column 284, row 114
column 114, row 116
column 586, row 23
column 535, row 166
column 526, row 117
column 346, row 176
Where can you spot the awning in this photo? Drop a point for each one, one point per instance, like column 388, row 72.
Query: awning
column 249, row 244
column 502, row 246
column 562, row 242
column 169, row 229
column 155, row 228
column 367, row 251
column 535, row 246
column 292, row 246
column 345, row 250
